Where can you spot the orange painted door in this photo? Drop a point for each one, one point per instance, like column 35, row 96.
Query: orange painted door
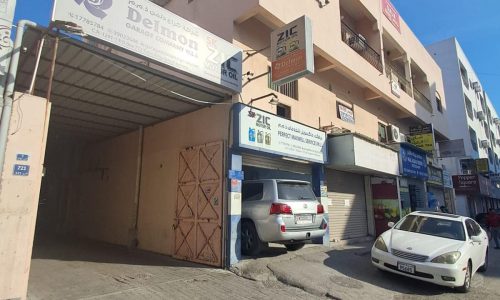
column 199, row 211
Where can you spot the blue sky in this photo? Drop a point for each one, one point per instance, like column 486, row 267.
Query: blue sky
column 476, row 24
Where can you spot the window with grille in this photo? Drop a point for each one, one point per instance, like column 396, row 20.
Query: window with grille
column 284, row 111
column 382, row 133
column 290, row 89
column 473, row 139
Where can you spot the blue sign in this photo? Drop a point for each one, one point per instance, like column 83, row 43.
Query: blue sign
column 21, row 170
column 22, row 157
column 413, row 163
column 233, row 174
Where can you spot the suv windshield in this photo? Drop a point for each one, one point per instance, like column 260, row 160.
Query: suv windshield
column 295, row 191
column 433, row 226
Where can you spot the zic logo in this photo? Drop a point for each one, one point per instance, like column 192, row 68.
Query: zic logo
column 96, row 7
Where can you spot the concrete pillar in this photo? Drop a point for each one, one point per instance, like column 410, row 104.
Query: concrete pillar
column 234, row 199
column 320, row 189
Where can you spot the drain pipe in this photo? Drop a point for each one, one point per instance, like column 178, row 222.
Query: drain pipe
column 9, row 89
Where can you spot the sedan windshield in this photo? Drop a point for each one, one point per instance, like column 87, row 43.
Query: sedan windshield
column 433, row 226
column 295, row 191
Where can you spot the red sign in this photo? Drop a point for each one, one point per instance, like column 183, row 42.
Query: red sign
column 391, row 13
column 466, row 183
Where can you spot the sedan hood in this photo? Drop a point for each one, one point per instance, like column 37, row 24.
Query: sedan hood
column 421, row 244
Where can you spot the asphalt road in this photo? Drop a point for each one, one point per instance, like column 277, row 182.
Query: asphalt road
column 347, row 273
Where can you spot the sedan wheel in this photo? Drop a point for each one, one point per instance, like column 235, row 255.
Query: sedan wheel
column 467, row 282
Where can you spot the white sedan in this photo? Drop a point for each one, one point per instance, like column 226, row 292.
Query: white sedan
column 440, row 248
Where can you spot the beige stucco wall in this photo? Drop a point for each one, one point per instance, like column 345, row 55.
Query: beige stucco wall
column 162, row 145
column 19, row 195
column 106, row 201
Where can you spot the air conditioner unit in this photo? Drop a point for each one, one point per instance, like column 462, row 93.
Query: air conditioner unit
column 496, row 121
column 485, row 143
column 480, row 115
column 393, row 134
column 476, row 87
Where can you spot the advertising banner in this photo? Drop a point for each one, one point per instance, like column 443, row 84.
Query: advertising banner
column 452, row 148
column 7, row 8
column 345, row 113
column 147, row 29
column 422, row 136
column 447, row 182
column 413, row 163
column 391, row 14
column 262, row 131
column 482, row 165
column 435, row 176
column 292, row 52
column 466, row 183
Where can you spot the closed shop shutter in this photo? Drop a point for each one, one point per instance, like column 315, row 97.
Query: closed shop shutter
column 347, row 213
column 276, row 164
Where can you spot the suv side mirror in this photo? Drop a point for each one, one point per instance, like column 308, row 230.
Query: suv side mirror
column 390, row 224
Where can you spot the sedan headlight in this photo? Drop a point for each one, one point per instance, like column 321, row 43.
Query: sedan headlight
column 447, row 258
column 380, row 244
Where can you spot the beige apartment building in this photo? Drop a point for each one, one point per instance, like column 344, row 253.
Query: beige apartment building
column 140, row 148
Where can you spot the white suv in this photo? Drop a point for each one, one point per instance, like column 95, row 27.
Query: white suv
column 279, row 211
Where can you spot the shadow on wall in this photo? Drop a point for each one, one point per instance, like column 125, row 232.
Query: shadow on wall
column 66, row 248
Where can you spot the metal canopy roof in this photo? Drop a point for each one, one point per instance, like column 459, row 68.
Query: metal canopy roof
column 97, row 94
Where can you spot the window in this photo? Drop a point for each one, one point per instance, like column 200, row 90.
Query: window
column 473, row 139
column 290, row 89
column 252, row 191
column 468, row 106
column 382, row 133
column 284, row 111
column 439, row 104
column 433, row 226
column 345, row 113
column 295, row 191
column 463, row 73
column 472, row 228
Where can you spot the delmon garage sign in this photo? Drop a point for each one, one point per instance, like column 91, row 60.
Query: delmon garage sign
column 145, row 28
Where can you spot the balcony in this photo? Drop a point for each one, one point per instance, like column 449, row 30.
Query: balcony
column 358, row 43
column 422, row 99
column 392, row 72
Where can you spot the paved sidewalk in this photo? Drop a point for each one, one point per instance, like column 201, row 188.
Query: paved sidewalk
column 88, row 270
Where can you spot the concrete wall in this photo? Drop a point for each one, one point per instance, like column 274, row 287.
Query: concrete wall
column 107, row 189
column 162, row 145
column 19, row 194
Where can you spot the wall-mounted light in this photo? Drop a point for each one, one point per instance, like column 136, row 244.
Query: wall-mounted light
column 274, row 99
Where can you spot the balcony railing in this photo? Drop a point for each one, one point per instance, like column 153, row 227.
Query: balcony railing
column 422, row 99
column 403, row 83
column 358, row 43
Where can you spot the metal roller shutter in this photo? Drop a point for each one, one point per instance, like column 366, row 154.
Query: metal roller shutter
column 347, row 214
column 276, row 164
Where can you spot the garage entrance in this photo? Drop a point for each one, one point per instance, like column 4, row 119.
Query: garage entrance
column 118, row 166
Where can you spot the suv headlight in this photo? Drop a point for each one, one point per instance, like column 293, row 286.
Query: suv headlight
column 380, row 244
column 447, row 258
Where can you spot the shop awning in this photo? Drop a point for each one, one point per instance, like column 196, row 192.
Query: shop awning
column 97, row 93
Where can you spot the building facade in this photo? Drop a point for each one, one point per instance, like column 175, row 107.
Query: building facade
column 145, row 150
column 474, row 119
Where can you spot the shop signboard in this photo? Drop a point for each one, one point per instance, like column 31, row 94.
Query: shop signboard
column 391, row 14
column 261, row 131
column 447, row 182
column 435, row 176
column 292, row 53
column 482, row 165
column 413, row 163
column 466, row 183
column 345, row 113
column 142, row 27
column 422, row 136
column 452, row 148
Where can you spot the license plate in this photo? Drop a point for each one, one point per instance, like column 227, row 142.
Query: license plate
column 303, row 219
column 407, row 268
